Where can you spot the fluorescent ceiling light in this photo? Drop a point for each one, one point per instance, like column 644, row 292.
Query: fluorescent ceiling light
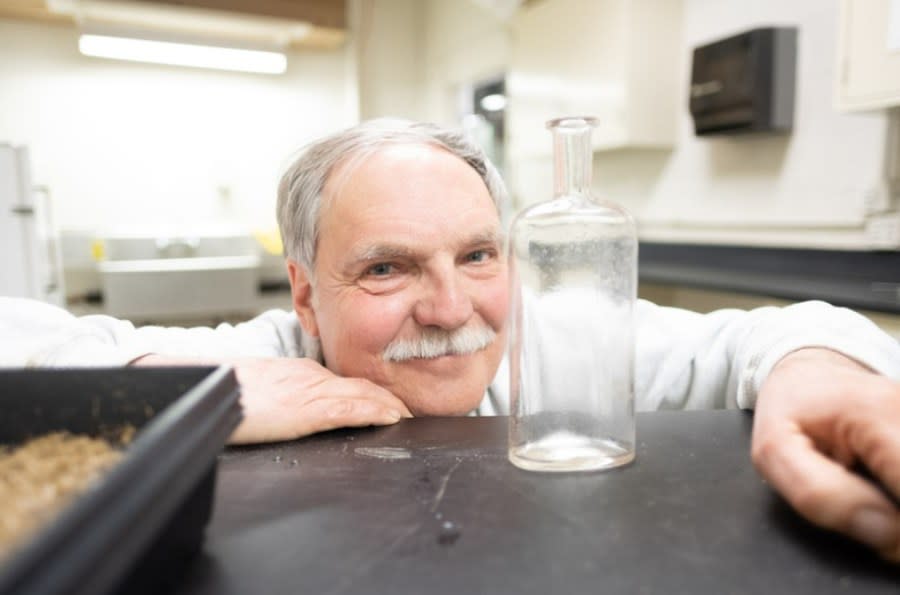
column 493, row 102
column 182, row 54
column 171, row 18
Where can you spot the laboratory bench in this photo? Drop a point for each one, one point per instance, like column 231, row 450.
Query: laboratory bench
column 432, row 505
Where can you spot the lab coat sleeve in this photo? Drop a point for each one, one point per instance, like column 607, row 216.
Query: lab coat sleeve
column 687, row 360
column 36, row 334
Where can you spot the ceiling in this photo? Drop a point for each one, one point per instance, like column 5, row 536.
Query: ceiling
column 312, row 24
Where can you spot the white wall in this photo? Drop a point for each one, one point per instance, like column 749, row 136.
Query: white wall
column 413, row 56
column 463, row 44
column 387, row 39
column 127, row 142
column 809, row 188
column 121, row 143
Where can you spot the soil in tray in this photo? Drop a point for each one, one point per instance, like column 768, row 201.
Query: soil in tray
column 40, row 477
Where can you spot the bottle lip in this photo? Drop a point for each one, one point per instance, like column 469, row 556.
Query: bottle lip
column 573, row 122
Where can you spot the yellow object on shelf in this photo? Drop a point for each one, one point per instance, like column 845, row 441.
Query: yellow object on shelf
column 98, row 250
column 270, row 241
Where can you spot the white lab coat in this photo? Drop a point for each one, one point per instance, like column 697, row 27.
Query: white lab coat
column 683, row 360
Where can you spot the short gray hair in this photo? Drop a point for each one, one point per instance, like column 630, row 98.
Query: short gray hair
column 302, row 185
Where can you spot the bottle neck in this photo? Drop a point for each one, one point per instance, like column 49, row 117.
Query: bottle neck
column 572, row 158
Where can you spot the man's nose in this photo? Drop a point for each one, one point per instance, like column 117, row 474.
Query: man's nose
column 444, row 302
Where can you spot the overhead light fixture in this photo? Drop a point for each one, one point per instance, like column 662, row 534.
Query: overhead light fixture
column 171, row 33
column 119, row 47
column 189, row 22
column 493, row 102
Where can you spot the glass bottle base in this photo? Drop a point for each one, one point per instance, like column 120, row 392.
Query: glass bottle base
column 569, row 452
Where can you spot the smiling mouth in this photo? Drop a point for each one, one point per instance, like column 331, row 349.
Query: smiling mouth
column 447, row 358
column 443, row 356
column 438, row 357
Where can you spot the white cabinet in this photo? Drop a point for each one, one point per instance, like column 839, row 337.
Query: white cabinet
column 617, row 60
column 868, row 69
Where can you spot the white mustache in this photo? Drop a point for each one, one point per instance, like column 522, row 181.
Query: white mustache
column 436, row 342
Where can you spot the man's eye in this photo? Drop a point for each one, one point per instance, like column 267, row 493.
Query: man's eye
column 478, row 256
column 382, row 269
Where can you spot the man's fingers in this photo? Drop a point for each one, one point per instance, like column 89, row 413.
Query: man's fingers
column 288, row 399
column 826, row 493
column 341, row 412
column 872, row 436
column 318, row 415
column 358, row 388
column 350, row 402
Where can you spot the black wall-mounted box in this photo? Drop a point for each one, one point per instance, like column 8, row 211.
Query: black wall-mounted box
column 745, row 83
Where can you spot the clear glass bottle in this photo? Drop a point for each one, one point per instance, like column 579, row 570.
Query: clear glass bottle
column 573, row 285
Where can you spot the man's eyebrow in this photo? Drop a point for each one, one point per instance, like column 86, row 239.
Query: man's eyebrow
column 490, row 236
column 374, row 252
column 380, row 252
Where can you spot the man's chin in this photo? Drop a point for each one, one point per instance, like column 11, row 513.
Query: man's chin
column 429, row 410
column 443, row 386
column 439, row 401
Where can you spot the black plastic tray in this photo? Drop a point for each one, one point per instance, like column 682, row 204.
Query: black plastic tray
column 138, row 526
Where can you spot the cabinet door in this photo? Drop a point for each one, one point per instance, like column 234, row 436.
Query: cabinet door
column 613, row 59
column 869, row 54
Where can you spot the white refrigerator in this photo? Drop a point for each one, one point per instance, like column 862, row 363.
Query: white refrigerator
column 28, row 241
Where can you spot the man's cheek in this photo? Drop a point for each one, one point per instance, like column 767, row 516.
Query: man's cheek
column 497, row 304
column 394, row 307
column 373, row 323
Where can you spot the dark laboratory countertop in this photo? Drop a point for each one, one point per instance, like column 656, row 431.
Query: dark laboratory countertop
column 432, row 505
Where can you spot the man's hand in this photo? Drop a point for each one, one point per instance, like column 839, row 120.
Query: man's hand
column 286, row 398
column 818, row 414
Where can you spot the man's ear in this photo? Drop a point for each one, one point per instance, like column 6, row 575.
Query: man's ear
column 301, row 295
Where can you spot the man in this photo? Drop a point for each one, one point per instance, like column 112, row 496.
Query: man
column 394, row 252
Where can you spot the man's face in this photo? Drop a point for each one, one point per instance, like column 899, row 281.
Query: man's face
column 409, row 246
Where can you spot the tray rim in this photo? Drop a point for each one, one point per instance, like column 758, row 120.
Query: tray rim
column 188, row 432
